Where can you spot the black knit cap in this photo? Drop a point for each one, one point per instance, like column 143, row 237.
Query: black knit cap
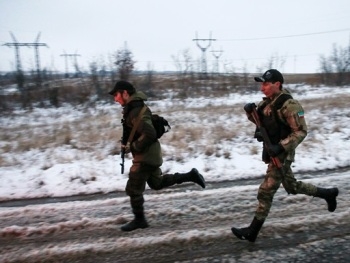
column 122, row 85
column 272, row 75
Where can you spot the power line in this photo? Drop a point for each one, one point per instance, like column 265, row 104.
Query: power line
column 287, row 36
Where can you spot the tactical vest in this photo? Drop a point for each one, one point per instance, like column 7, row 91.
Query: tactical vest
column 276, row 129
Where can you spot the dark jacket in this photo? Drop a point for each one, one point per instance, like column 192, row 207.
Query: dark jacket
column 145, row 147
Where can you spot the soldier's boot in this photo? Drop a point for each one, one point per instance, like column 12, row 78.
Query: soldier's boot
column 249, row 233
column 330, row 195
column 138, row 222
column 192, row 176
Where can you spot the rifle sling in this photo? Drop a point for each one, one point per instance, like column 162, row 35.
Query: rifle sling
column 132, row 133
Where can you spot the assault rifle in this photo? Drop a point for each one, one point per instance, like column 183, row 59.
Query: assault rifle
column 122, row 149
column 123, row 142
column 122, row 155
column 251, row 109
column 126, row 144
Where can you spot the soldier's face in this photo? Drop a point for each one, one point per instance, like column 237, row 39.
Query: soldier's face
column 270, row 89
column 121, row 97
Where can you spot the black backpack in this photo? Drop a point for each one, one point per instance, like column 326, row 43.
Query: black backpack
column 160, row 124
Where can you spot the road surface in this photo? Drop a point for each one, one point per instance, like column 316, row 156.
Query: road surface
column 187, row 224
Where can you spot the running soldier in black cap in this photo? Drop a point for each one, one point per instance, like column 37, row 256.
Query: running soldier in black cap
column 285, row 126
column 146, row 152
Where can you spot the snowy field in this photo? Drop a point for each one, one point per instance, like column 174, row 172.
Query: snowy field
column 70, row 151
column 211, row 134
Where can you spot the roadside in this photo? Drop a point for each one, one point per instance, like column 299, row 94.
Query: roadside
column 176, row 188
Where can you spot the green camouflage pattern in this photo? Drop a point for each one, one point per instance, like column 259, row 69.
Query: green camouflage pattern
column 291, row 114
column 272, row 181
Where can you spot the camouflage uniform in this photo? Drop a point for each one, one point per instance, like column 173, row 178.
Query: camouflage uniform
column 285, row 126
column 147, row 157
column 291, row 115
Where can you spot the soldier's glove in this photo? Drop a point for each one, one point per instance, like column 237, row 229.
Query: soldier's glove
column 249, row 107
column 275, row 149
column 258, row 136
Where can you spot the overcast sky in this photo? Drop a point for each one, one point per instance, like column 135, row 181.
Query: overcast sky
column 249, row 33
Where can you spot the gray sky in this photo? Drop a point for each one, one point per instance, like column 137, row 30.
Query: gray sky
column 248, row 32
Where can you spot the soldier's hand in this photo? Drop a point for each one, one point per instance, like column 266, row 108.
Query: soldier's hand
column 249, row 107
column 126, row 148
column 258, row 136
column 275, row 149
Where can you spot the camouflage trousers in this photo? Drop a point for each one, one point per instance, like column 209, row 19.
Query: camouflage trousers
column 272, row 181
column 139, row 175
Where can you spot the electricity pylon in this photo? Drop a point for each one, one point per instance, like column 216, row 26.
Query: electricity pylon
column 66, row 56
column 17, row 45
column 203, row 49
column 217, row 54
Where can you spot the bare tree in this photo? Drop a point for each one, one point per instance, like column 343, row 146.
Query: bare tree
column 112, row 69
column 336, row 68
column 275, row 61
column 326, row 70
column 183, row 61
column 95, row 78
column 184, row 65
column 125, row 63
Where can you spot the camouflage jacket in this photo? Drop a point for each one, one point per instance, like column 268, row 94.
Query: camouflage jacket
column 291, row 115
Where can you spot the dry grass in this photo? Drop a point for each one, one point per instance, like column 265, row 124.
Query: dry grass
column 326, row 103
column 99, row 134
column 84, row 134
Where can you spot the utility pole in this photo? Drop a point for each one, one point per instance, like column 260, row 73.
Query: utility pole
column 17, row 45
column 203, row 49
column 66, row 56
column 217, row 54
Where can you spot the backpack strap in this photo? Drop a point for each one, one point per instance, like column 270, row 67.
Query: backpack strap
column 132, row 133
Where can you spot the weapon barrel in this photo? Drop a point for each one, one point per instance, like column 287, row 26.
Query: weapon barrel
column 122, row 154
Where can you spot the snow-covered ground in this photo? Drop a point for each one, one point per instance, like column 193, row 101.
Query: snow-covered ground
column 211, row 134
column 69, row 151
